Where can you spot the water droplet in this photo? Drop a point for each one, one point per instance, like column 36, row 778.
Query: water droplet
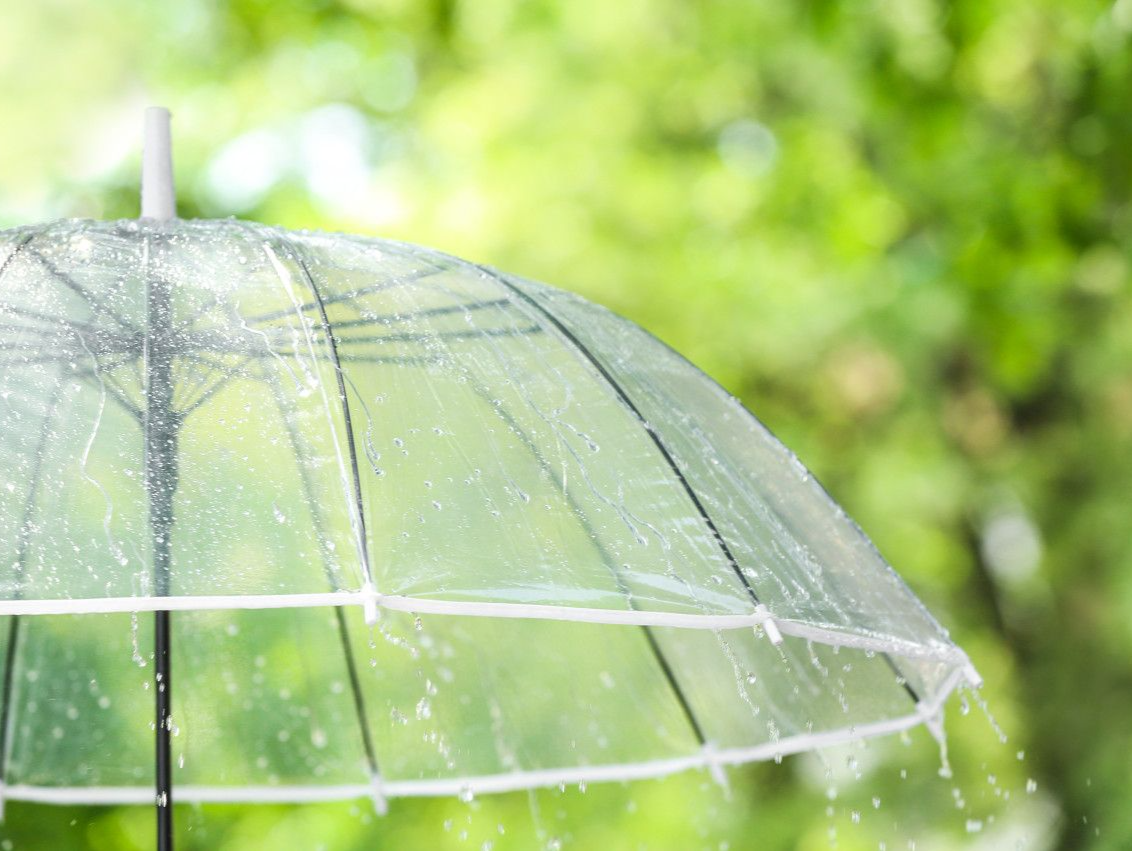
column 1031, row 786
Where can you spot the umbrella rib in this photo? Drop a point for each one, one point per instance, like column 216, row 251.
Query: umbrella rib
column 656, row 439
column 320, row 303
column 660, row 445
column 650, row 637
column 409, row 337
column 71, row 284
column 623, row 395
column 12, row 255
column 21, row 561
column 350, row 443
column 67, row 324
column 332, row 580
column 397, row 318
column 215, row 388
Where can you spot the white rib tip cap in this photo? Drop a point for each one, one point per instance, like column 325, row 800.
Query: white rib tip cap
column 370, row 599
column 974, row 678
column 768, row 624
column 158, row 199
column 377, row 795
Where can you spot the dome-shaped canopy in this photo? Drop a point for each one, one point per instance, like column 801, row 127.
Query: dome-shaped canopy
column 352, row 422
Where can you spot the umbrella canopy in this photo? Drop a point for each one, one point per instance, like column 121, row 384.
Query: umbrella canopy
column 426, row 529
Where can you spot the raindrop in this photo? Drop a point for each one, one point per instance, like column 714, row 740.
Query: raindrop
column 280, row 517
column 424, row 709
column 466, row 795
column 982, row 704
column 1031, row 786
column 137, row 657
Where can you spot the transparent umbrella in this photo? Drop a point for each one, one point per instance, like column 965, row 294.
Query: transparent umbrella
column 410, row 526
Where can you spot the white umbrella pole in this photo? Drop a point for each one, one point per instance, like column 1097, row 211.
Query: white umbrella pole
column 158, row 201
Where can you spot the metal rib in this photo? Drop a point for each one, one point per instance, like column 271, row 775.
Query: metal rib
column 603, row 554
column 615, row 385
column 321, row 304
column 331, row 578
column 14, row 624
column 623, row 395
column 357, row 480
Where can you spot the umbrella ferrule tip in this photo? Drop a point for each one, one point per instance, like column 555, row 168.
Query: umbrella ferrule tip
column 371, row 601
column 973, row 677
column 715, row 765
column 769, row 626
column 377, row 794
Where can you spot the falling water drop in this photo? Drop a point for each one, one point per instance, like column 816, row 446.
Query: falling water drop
column 137, row 657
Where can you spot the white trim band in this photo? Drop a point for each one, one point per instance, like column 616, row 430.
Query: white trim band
column 371, row 602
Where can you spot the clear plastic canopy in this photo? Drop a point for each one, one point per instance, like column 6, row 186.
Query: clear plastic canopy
column 431, row 529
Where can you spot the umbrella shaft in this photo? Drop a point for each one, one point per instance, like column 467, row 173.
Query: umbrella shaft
column 164, row 761
column 161, row 426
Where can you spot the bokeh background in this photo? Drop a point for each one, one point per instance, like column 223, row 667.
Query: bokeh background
column 899, row 230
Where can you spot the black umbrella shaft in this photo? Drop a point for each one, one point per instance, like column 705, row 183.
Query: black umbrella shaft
column 163, row 750
column 161, row 427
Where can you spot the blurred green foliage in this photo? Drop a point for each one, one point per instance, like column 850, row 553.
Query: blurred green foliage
column 899, row 230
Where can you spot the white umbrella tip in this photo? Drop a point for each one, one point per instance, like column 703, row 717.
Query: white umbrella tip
column 158, row 199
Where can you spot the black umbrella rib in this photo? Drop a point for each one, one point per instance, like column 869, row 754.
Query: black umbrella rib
column 216, row 386
column 623, row 395
column 70, row 283
column 332, row 580
column 442, row 335
column 649, row 430
column 320, row 303
column 414, row 315
column 14, row 624
column 20, row 243
column 345, row 401
column 603, row 554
